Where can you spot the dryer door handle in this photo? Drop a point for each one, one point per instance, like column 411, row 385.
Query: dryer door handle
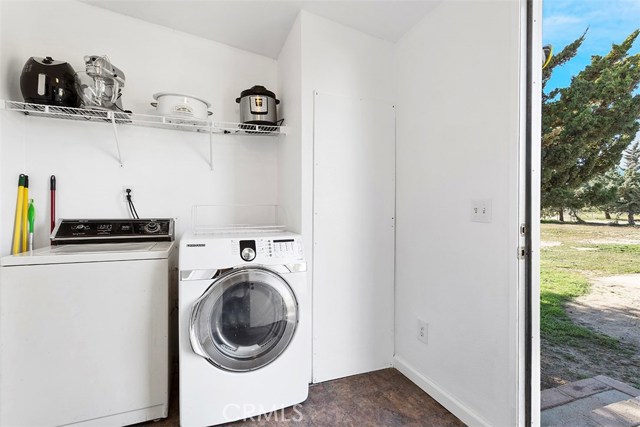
column 195, row 343
column 196, row 346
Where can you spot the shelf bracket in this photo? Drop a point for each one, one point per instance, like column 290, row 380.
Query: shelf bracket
column 112, row 116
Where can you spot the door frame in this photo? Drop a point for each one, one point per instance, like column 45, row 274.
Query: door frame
column 530, row 165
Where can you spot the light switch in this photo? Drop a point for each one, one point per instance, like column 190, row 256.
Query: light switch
column 481, row 210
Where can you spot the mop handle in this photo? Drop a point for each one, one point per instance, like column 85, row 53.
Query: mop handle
column 18, row 220
column 25, row 209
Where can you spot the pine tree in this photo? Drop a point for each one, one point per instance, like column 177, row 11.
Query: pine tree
column 587, row 125
column 601, row 193
column 629, row 191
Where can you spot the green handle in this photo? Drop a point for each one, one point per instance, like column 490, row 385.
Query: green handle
column 31, row 215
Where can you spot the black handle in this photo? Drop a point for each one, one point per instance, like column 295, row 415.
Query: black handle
column 53, row 183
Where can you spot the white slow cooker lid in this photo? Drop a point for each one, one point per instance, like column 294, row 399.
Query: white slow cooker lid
column 158, row 95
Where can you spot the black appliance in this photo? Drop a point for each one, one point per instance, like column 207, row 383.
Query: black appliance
column 50, row 82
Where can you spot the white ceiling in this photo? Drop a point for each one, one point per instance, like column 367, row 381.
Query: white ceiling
column 261, row 26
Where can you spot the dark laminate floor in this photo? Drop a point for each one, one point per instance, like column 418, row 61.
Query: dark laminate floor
column 377, row 399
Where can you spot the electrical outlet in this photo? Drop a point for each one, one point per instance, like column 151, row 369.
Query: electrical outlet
column 481, row 210
column 423, row 331
column 124, row 192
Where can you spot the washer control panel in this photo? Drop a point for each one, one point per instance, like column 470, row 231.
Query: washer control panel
column 76, row 231
column 272, row 248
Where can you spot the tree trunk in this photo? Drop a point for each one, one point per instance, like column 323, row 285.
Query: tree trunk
column 632, row 221
column 607, row 214
column 561, row 215
column 578, row 219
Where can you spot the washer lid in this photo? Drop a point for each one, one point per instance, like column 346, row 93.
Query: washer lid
column 90, row 253
column 244, row 320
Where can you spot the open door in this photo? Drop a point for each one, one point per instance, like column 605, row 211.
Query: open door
column 467, row 142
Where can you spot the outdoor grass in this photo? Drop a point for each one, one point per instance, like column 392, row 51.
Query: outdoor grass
column 579, row 233
column 597, row 260
column 580, row 252
column 589, row 249
column 593, row 217
column 556, row 288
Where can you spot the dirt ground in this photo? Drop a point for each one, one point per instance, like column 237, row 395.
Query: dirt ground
column 612, row 308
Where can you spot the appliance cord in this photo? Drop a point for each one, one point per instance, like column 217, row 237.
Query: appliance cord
column 132, row 208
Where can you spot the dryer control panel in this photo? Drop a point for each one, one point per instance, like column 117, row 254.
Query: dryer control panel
column 224, row 251
column 271, row 248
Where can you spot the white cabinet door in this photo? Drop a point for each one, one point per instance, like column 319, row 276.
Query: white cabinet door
column 353, row 235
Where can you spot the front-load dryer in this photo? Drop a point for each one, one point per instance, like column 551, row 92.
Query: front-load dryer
column 244, row 326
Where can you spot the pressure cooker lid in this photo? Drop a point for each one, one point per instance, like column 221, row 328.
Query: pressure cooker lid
column 257, row 90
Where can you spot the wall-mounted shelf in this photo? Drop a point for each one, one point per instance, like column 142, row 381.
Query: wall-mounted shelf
column 148, row 120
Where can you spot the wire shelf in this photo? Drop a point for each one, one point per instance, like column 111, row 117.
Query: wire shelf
column 247, row 129
column 148, row 120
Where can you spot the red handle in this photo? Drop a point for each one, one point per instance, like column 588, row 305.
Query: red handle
column 53, row 210
column 52, row 187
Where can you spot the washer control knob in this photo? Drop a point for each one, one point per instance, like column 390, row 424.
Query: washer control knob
column 248, row 254
column 152, row 227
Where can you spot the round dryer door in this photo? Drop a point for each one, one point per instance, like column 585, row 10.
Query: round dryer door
column 244, row 320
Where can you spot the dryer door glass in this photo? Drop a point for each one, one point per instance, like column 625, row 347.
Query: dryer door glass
column 244, row 320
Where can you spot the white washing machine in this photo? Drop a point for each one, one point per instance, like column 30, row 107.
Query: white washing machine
column 84, row 329
column 244, row 326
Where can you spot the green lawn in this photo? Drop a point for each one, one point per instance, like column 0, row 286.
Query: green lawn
column 556, row 288
column 594, row 216
column 580, row 252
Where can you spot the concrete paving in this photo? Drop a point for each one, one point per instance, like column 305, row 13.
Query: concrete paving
column 619, row 414
column 592, row 402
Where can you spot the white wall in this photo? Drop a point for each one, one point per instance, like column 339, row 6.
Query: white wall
column 457, row 140
column 342, row 61
column 289, row 149
column 168, row 169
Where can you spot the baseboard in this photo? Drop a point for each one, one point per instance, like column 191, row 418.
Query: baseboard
column 452, row 404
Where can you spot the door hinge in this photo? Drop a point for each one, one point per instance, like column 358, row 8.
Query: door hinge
column 523, row 229
column 522, row 252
